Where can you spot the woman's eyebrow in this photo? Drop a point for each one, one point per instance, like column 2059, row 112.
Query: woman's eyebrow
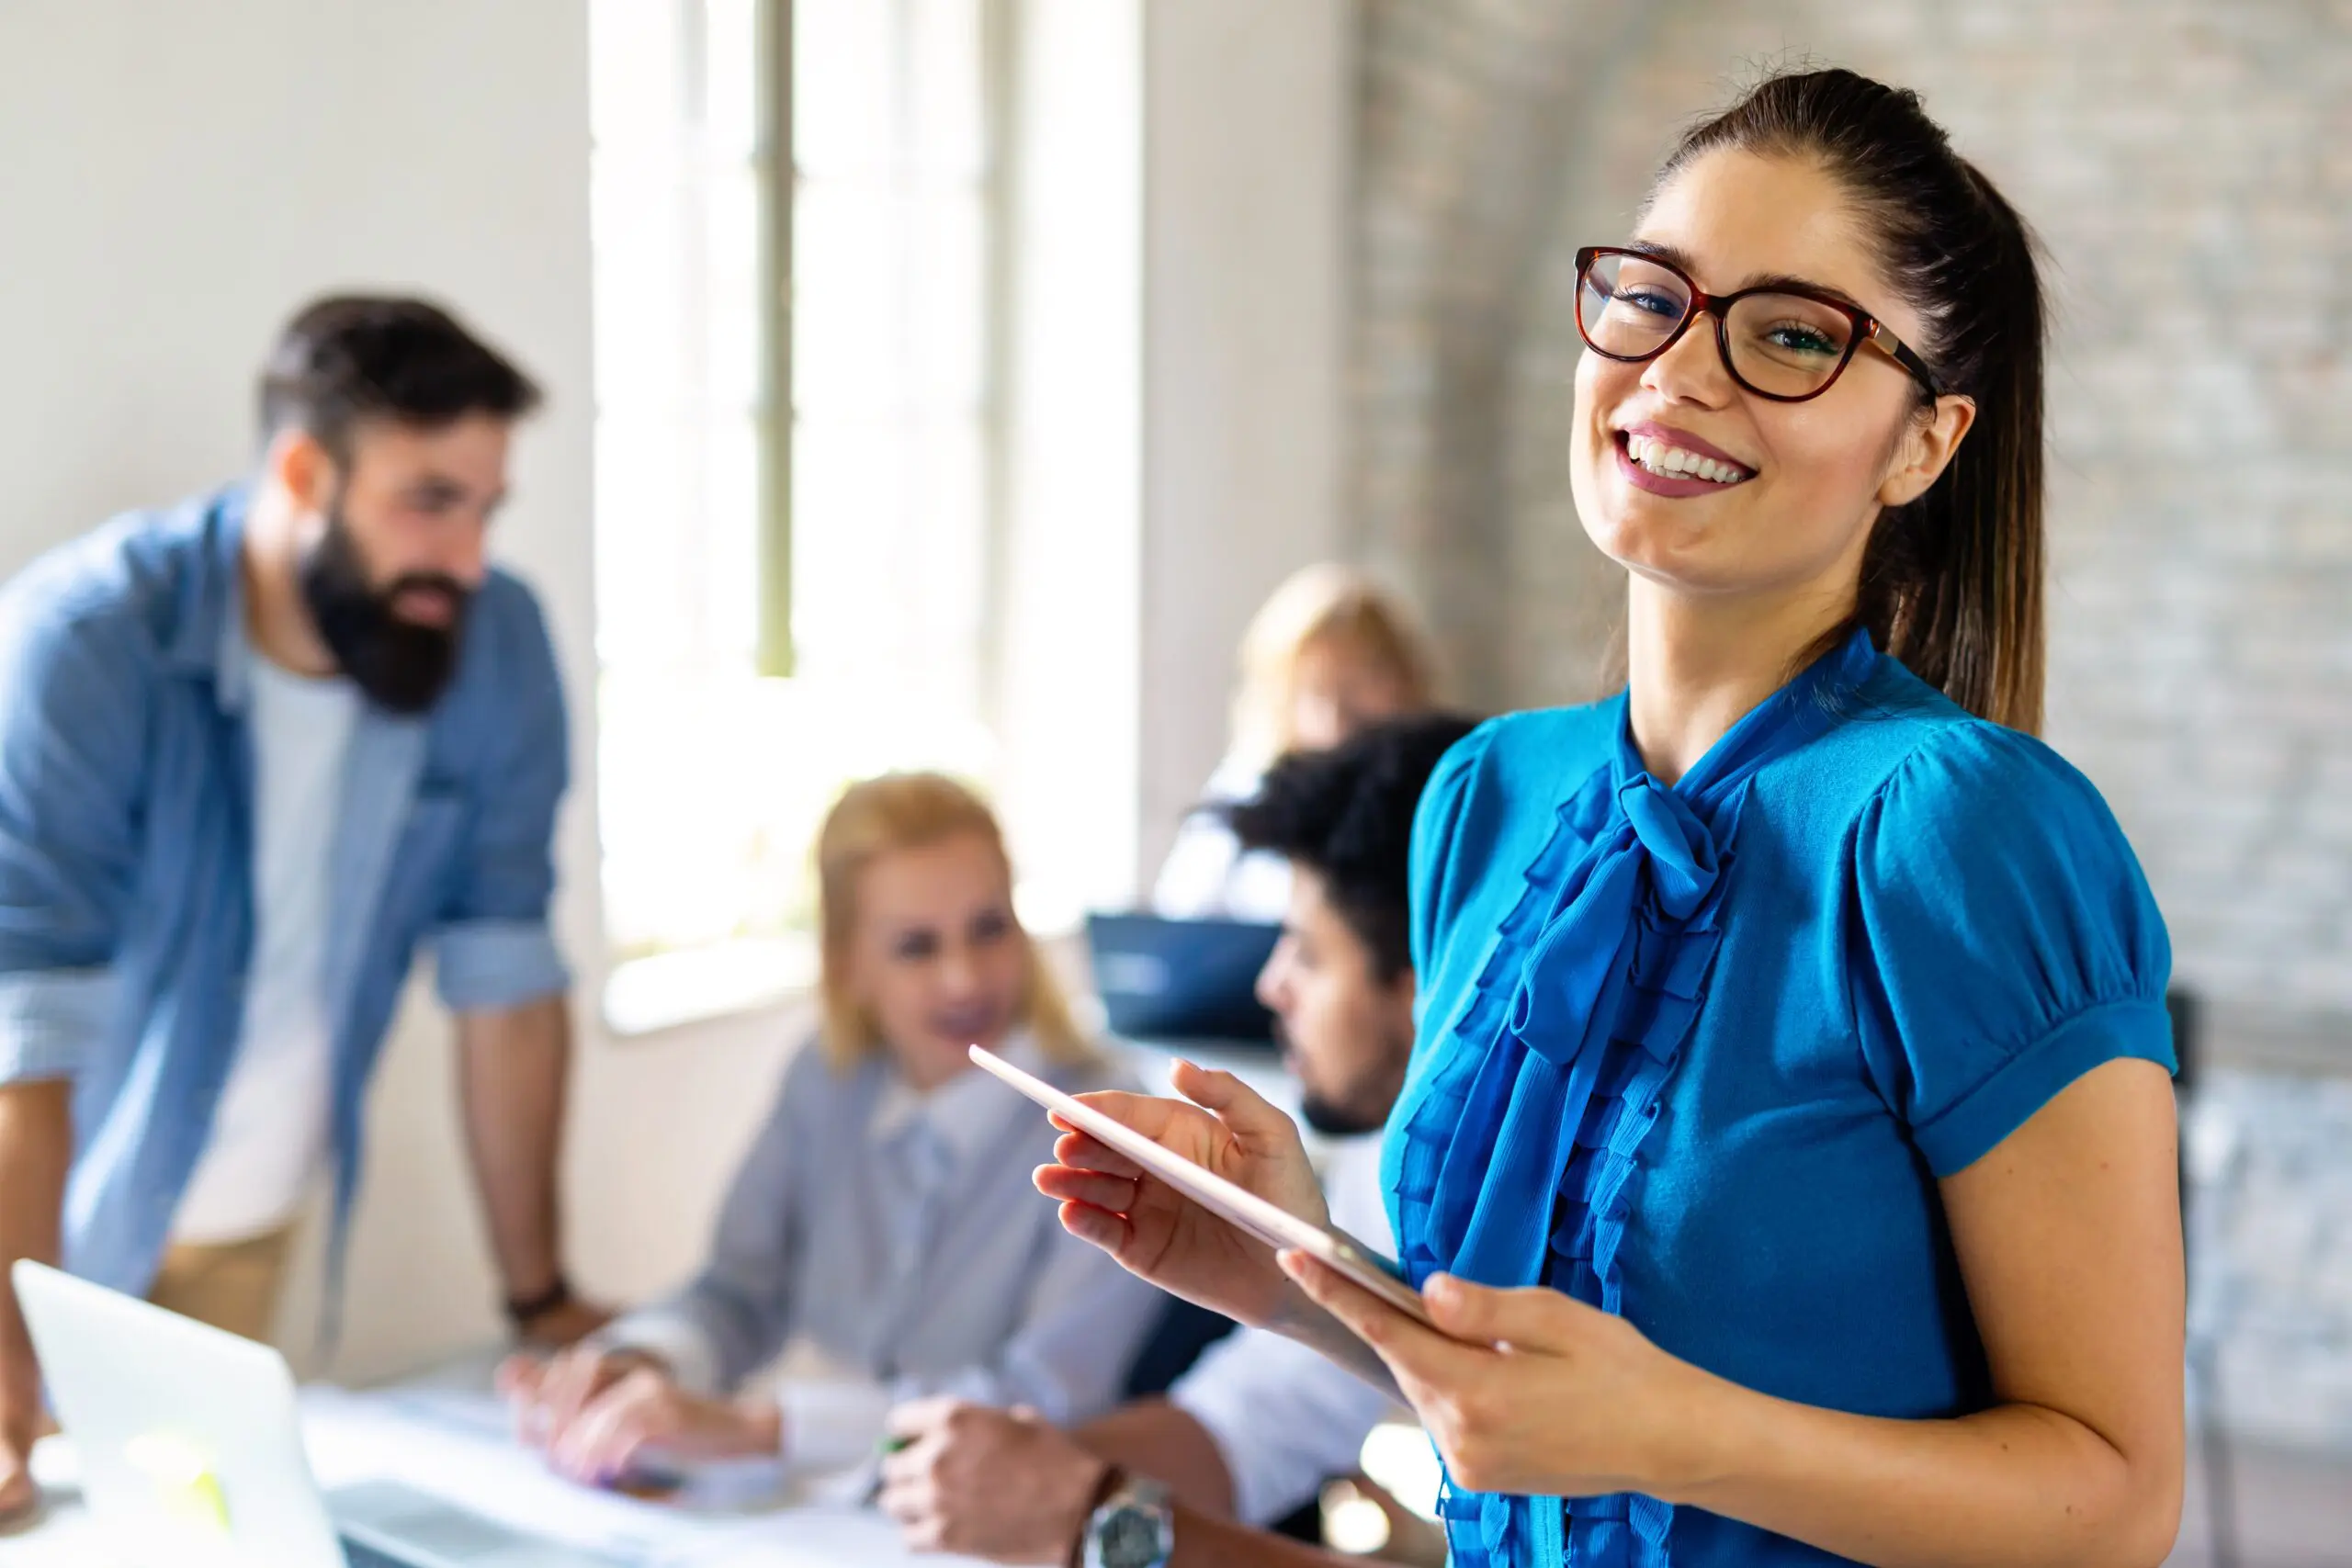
column 1786, row 282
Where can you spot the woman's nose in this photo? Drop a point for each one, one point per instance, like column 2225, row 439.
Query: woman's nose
column 1692, row 371
column 958, row 975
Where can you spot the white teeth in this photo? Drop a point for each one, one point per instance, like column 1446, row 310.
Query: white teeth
column 1673, row 462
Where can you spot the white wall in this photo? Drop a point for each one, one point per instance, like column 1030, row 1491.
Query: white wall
column 173, row 179
column 1248, row 117
column 1071, row 384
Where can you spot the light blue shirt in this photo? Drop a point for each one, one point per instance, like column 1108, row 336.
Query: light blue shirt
column 126, row 855
column 896, row 1240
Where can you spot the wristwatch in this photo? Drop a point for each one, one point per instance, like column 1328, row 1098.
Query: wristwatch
column 1134, row 1527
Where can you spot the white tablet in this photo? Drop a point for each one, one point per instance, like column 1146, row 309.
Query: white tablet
column 1276, row 1227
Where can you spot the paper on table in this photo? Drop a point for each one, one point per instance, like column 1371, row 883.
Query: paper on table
column 457, row 1444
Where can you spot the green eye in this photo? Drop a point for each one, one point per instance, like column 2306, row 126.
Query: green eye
column 1797, row 339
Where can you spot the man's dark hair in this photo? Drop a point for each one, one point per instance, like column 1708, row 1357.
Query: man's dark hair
column 1347, row 814
column 353, row 357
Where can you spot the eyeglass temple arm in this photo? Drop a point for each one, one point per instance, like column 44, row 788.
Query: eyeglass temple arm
column 1895, row 348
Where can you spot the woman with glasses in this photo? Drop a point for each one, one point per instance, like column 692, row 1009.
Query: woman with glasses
column 1788, row 1158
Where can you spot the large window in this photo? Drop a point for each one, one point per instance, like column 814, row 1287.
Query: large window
column 794, row 229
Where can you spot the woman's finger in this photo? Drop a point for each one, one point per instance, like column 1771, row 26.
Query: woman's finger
column 1231, row 1101
column 1146, row 1113
column 612, row 1432
column 1526, row 1320
column 518, row 1376
column 1400, row 1341
column 567, row 1388
column 1098, row 1227
column 1115, row 1195
column 1081, row 1152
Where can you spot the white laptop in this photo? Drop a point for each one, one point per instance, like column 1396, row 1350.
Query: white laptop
column 191, row 1452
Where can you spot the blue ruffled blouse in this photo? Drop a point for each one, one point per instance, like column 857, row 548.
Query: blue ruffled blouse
column 1699, row 1055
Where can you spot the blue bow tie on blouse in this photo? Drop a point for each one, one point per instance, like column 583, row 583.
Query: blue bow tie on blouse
column 1519, row 1139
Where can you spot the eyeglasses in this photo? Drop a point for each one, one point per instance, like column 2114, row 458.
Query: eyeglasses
column 1780, row 342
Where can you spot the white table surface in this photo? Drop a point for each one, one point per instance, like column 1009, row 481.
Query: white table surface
column 446, row 1448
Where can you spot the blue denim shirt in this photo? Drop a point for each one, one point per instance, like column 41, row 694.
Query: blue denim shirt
column 125, row 890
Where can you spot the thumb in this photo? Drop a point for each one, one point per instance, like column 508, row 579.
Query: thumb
column 1231, row 1101
column 1538, row 1319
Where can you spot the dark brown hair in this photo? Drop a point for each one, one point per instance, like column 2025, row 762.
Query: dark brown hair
column 352, row 357
column 1952, row 584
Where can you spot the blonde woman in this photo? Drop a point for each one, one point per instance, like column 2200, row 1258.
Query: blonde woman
column 883, row 1226
column 1331, row 652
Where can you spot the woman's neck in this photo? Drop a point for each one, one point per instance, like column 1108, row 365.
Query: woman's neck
column 1696, row 666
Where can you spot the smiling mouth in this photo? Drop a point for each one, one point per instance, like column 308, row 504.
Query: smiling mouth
column 1669, row 462
column 965, row 1023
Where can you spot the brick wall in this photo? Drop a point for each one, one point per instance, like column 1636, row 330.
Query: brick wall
column 2188, row 164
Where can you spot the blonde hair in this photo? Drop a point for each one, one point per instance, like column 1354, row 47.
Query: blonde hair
column 910, row 811
column 1322, row 604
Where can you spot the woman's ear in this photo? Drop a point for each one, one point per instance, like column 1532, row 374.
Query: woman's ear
column 1926, row 450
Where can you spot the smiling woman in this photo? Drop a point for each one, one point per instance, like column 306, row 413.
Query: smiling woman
column 1787, row 1157
column 879, row 1236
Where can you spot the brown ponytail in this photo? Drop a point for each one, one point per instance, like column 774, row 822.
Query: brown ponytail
column 1952, row 584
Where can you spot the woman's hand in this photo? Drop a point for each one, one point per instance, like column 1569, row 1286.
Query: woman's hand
column 1529, row 1390
column 1166, row 1239
column 596, row 1411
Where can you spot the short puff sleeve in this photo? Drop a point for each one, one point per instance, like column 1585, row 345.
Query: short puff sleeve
column 1438, row 882
column 2001, row 942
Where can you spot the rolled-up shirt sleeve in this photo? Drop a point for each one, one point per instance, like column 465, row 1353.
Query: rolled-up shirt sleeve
column 494, row 949
column 1284, row 1419
column 46, row 1021
column 73, row 701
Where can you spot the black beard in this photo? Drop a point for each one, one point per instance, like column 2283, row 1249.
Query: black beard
column 399, row 665
column 1326, row 1116
column 1335, row 1121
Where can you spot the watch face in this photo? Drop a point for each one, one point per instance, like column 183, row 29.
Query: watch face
column 1132, row 1537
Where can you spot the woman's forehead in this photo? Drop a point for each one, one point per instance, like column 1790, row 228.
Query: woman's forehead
column 1734, row 218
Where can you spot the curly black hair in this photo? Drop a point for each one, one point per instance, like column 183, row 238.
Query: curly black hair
column 1347, row 814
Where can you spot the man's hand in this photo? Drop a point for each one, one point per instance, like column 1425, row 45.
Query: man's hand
column 1002, row 1484
column 594, row 1412
column 546, row 1396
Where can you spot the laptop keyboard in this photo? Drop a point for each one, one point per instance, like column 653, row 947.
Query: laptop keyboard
column 359, row 1554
